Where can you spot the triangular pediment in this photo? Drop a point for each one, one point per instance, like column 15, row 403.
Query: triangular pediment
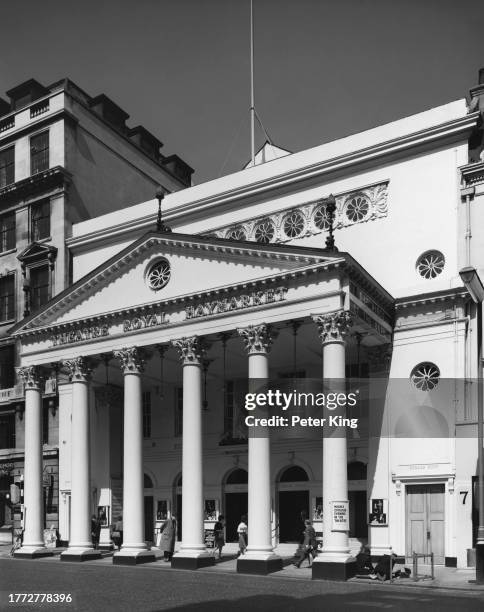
column 36, row 250
column 193, row 265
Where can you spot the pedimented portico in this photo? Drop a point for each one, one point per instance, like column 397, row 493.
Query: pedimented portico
column 188, row 295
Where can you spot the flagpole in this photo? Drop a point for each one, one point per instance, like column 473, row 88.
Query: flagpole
column 252, row 107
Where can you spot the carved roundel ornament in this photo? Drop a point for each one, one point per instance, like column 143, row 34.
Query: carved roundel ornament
column 158, row 274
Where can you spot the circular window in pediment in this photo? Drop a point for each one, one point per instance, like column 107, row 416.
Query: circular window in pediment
column 430, row 264
column 158, row 274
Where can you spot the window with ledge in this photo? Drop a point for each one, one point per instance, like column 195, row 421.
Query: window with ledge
column 7, row 166
column 7, row 430
column 39, row 153
column 7, row 297
column 7, row 367
column 7, row 232
column 178, row 412
column 40, row 220
column 39, row 287
column 146, row 414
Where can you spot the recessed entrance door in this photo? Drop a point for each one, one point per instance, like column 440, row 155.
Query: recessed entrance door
column 236, row 505
column 358, row 516
column 426, row 520
column 149, row 522
column 293, row 509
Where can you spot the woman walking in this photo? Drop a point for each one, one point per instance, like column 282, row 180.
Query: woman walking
column 218, row 530
column 242, row 531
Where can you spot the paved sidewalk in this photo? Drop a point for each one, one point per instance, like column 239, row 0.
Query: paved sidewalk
column 445, row 577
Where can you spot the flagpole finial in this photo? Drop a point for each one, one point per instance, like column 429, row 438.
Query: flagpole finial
column 160, row 226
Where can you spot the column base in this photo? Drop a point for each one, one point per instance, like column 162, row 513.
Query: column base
column 133, row 557
column 333, row 567
column 259, row 564
column 192, row 560
column 33, row 552
column 80, row 554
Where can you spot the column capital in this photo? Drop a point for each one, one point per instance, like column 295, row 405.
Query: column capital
column 191, row 350
column 334, row 326
column 31, row 376
column 257, row 338
column 78, row 369
column 131, row 359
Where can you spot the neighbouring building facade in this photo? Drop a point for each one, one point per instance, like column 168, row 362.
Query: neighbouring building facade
column 162, row 334
column 64, row 157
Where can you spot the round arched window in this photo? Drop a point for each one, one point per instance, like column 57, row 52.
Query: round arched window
column 430, row 264
column 293, row 224
column 357, row 208
column 294, row 473
column 158, row 274
column 264, row 231
column 425, row 376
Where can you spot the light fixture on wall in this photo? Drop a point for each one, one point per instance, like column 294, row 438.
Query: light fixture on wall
column 19, row 411
column 162, row 348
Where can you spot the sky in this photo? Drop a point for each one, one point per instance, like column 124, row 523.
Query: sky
column 323, row 68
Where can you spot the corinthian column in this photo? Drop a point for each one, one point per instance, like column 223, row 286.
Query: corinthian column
column 80, row 542
column 134, row 549
column 260, row 557
column 335, row 561
column 33, row 541
column 193, row 553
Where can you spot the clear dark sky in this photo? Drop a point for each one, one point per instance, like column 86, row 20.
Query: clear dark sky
column 324, row 68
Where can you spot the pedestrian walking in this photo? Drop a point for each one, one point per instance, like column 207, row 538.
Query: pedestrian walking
column 117, row 534
column 242, row 531
column 168, row 537
column 95, row 531
column 218, row 530
column 309, row 545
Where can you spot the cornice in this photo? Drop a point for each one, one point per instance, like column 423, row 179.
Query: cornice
column 449, row 128
column 53, row 177
column 446, row 295
column 472, row 174
column 218, row 201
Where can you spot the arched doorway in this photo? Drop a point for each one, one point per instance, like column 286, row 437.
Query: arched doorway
column 178, row 505
column 293, row 502
column 236, row 501
column 358, row 508
column 149, row 509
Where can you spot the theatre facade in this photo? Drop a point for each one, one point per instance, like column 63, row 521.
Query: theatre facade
column 163, row 333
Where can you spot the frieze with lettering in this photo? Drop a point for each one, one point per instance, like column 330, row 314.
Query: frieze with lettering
column 79, row 335
column 144, row 321
column 246, row 300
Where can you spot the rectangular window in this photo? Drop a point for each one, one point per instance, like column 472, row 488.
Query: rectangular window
column 40, row 220
column 7, row 167
column 229, row 408
column 7, row 232
column 146, row 414
column 7, row 367
column 39, row 153
column 7, row 430
column 178, row 412
column 45, row 423
column 7, row 297
column 39, row 287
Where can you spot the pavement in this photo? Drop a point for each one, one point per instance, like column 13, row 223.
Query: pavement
column 455, row 579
